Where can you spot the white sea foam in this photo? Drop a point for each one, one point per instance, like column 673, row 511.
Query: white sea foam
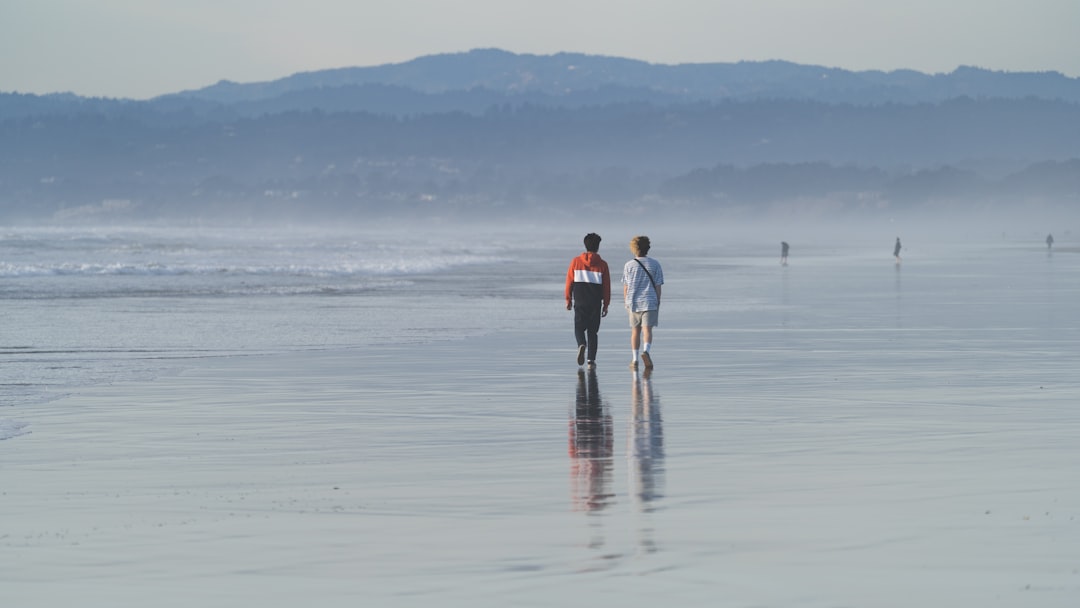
column 376, row 267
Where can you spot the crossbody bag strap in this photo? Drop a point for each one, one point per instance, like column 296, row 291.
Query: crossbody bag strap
column 649, row 274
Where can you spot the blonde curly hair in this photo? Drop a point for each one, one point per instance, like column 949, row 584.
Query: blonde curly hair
column 639, row 245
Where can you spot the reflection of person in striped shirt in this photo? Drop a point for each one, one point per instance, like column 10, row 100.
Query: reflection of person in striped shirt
column 588, row 294
column 642, row 278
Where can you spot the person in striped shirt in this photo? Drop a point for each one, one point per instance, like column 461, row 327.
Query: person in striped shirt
column 642, row 278
column 588, row 294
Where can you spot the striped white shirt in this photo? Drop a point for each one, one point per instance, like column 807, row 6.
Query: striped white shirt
column 640, row 295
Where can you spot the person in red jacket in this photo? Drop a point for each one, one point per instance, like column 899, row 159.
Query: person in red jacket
column 588, row 294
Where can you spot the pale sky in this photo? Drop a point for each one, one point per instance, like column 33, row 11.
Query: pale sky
column 143, row 48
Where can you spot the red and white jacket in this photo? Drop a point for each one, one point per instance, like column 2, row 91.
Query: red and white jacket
column 588, row 281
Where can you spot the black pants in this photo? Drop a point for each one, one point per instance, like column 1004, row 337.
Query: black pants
column 586, row 326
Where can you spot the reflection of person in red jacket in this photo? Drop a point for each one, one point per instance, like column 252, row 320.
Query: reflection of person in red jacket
column 592, row 447
column 588, row 294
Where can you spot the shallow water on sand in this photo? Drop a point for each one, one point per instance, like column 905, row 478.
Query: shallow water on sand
column 838, row 432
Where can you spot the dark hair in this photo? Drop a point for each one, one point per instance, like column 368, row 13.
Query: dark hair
column 592, row 242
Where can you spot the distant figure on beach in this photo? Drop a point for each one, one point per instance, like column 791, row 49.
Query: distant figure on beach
column 1049, row 241
column 896, row 250
column 641, row 279
column 588, row 294
column 783, row 253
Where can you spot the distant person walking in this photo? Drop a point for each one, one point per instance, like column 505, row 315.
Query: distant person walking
column 896, row 250
column 1049, row 241
column 642, row 278
column 783, row 253
column 588, row 294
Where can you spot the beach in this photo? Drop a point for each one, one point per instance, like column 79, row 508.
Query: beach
column 840, row 432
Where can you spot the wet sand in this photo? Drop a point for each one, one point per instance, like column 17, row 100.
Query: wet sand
column 781, row 455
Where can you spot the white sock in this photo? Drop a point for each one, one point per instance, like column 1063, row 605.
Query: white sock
column 634, row 352
column 645, row 348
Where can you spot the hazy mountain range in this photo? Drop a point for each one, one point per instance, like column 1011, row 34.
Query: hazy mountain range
column 566, row 74
column 478, row 79
column 490, row 129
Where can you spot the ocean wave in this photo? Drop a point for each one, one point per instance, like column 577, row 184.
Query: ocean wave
column 223, row 253
column 378, row 267
column 201, row 289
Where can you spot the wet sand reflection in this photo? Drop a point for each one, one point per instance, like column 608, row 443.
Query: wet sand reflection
column 646, row 446
column 645, row 453
column 591, row 447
